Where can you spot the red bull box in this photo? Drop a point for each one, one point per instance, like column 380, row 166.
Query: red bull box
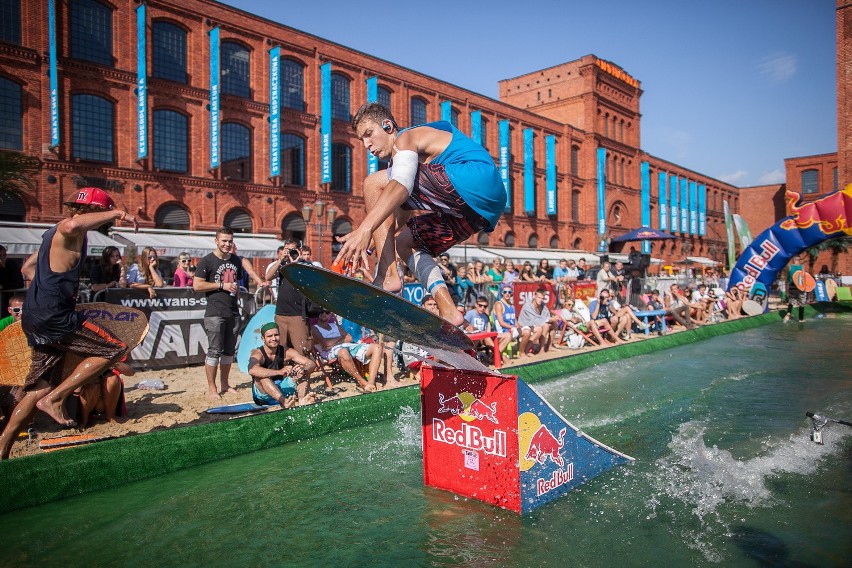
column 491, row 437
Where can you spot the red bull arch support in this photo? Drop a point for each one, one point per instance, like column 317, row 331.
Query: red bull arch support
column 493, row 438
column 808, row 224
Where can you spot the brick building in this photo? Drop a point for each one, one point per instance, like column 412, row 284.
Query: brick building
column 584, row 105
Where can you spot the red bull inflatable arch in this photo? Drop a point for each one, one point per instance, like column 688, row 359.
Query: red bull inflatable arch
column 808, row 224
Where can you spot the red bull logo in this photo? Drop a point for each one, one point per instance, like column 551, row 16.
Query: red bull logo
column 558, row 478
column 467, row 407
column 827, row 213
column 469, row 437
column 544, row 444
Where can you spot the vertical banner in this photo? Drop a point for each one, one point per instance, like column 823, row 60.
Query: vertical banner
column 550, row 172
column 645, row 188
column 214, row 98
column 275, row 112
column 447, row 111
column 372, row 97
column 675, row 210
column 702, row 210
column 662, row 196
column 141, row 86
column 684, row 206
column 504, row 161
column 602, row 247
column 743, row 231
column 476, row 126
column 729, row 232
column 529, row 171
column 325, row 123
column 54, row 80
column 693, row 208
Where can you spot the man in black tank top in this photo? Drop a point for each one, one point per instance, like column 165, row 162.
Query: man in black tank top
column 280, row 375
column 50, row 322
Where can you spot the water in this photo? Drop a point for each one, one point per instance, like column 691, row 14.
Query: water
column 725, row 476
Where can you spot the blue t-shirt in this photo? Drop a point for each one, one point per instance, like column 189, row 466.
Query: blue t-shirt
column 473, row 173
column 479, row 322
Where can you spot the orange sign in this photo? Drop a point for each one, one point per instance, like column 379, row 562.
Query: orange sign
column 617, row 72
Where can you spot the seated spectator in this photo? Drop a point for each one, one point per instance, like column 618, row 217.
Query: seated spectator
column 145, row 274
column 412, row 356
column 109, row 271
column 701, row 302
column 678, row 307
column 106, row 396
column 535, row 322
column 16, row 307
column 734, row 303
column 623, row 318
column 505, row 323
column 11, row 277
column 575, row 331
column 477, row 321
column 601, row 312
column 273, row 379
column 333, row 344
column 655, row 303
column 182, row 278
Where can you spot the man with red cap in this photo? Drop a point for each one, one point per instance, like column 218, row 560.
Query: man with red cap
column 51, row 324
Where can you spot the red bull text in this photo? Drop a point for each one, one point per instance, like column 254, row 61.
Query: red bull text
column 469, row 437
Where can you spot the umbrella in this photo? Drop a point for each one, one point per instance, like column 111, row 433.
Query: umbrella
column 643, row 234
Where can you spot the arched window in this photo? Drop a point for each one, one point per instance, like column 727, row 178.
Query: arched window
column 532, row 242
column 234, row 58
column 810, row 181
column 168, row 51
column 238, row 220
column 575, row 206
column 454, row 117
column 236, row 151
column 621, row 171
column 384, row 97
column 554, row 242
column 292, row 84
column 509, row 239
column 483, row 238
column 171, row 216
column 293, row 227
column 10, row 21
column 606, row 125
column 484, row 131
column 91, row 32
column 418, row 111
column 171, row 141
column 575, row 160
column 11, row 115
column 13, row 207
column 340, row 228
column 92, row 127
column 340, row 97
column 292, row 160
column 341, row 168
column 577, row 243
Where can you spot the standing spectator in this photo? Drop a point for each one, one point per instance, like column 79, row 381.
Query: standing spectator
column 182, row 279
column 145, row 274
column 511, row 273
column 292, row 309
column 605, row 278
column 560, row 273
column 10, row 278
column 620, row 275
column 448, row 273
column 217, row 275
column 306, row 256
column 544, row 272
column 795, row 296
column 109, row 272
column 582, row 269
column 527, row 274
column 464, row 286
column 16, row 306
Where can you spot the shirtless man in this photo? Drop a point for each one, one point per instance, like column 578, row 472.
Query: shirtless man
column 50, row 322
column 280, row 375
column 436, row 168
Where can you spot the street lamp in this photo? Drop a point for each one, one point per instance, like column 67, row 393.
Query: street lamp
column 319, row 207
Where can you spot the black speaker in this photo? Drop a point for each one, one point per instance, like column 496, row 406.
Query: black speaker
column 603, row 258
column 645, row 261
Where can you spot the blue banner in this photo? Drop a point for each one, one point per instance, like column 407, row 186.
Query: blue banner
column 275, row 112
column 702, row 210
column 325, row 124
column 675, row 210
column 372, row 97
column 141, row 86
column 645, row 200
column 663, row 194
column 447, row 111
column 214, row 98
column 601, row 194
column 684, row 206
column 476, row 126
column 504, row 161
column 54, row 81
column 529, row 171
column 550, row 169
column 693, row 208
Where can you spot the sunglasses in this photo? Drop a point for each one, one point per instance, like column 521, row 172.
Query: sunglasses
column 507, row 292
column 15, row 310
column 184, row 260
column 152, row 258
column 481, row 305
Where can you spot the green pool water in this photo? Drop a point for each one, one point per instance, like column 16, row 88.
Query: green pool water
column 726, row 475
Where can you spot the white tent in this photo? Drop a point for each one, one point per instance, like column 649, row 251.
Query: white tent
column 170, row 244
column 23, row 239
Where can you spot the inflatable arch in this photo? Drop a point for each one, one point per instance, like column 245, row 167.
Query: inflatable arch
column 808, row 225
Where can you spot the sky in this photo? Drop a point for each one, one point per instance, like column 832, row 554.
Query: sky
column 730, row 87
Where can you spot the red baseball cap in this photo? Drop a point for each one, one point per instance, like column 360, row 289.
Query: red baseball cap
column 92, row 196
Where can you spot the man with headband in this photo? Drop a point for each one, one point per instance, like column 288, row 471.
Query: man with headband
column 434, row 168
column 279, row 375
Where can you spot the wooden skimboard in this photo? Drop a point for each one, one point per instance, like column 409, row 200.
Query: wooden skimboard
column 127, row 324
column 831, row 289
column 62, row 442
column 251, row 338
column 752, row 308
column 239, row 408
column 804, row 281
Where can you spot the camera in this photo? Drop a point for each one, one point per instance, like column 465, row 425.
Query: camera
column 294, row 254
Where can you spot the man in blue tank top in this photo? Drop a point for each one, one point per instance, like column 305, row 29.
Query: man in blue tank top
column 436, row 168
column 50, row 322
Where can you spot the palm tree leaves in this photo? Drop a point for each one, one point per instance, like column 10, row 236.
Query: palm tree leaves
column 17, row 172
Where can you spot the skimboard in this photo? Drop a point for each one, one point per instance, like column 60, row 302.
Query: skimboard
column 239, row 408
column 804, row 281
column 62, row 442
column 251, row 338
column 759, row 294
column 375, row 308
column 127, row 324
column 752, row 308
column 831, row 289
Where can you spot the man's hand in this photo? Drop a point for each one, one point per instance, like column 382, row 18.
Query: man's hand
column 355, row 246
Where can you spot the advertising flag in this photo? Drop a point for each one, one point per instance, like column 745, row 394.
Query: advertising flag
column 550, row 169
column 529, row 171
column 693, row 208
column 325, row 123
column 372, row 97
column 662, row 195
column 141, row 86
column 645, row 199
column 54, row 80
column 476, row 126
column 275, row 112
column 729, row 231
column 214, row 98
column 601, row 165
column 675, row 210
column 503, row 126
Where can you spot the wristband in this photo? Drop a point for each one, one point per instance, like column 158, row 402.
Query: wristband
column 220, row 286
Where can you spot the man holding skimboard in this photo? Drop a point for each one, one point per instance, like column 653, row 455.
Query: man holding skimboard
column 433, row 168
column 50, row 322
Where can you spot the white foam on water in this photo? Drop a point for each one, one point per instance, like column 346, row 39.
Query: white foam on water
column 706, row 479
column 402, row 448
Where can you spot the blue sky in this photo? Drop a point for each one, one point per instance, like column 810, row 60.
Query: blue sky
column 731, row 87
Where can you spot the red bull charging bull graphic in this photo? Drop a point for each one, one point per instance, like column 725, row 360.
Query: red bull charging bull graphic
column 807, row 225
column 493, row 438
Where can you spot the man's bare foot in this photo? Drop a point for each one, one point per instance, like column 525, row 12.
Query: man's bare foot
column 290, row 402
column 55, row 411
column 212, row 395
column 310, row 398
column 228, row 390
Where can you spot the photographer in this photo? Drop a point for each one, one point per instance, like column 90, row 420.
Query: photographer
column 291, row 307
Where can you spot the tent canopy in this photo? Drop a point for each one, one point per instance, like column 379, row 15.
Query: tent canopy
column 470, row 253
column 170, row 244
column 23, row 239
column 643, row 234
